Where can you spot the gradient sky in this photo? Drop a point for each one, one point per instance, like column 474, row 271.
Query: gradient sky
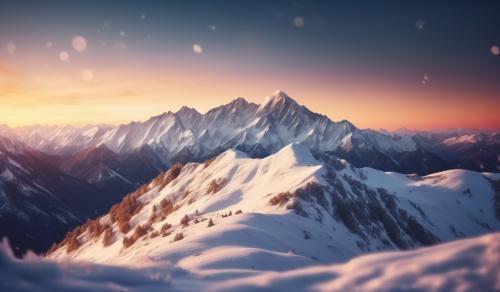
column 414, row 64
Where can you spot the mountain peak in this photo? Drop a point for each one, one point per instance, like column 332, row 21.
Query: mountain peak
column 278, row 100
column 230, row 155
column 162, row 116
column 278, row 97
column 184, row 110
column 238, row 102
column 296, row 154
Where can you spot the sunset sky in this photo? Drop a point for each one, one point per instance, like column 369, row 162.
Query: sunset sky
column 414, row 64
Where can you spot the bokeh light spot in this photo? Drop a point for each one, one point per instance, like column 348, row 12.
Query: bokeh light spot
column 420, row 24
column 298, row 21
column 79, row 44
column 64, row 56
column 197, row 49
column 10, row 48
column 495, row 50
column 87, row 75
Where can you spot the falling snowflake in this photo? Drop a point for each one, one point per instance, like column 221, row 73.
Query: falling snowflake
column 426, row 77
column 122, row 33
column 10, row 48
column 298, row 21
column 212, row 27
column 197, row 49
column 79, row 43
column 87, row 75
column 64, row 56
column 48, row 44
column 143, row 16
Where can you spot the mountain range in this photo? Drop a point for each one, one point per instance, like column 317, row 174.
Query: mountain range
column 38, row 202
column 260, row 130
column 88, row 169
column 246, row 197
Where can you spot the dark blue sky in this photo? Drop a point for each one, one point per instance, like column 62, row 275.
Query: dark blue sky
column 393, row 41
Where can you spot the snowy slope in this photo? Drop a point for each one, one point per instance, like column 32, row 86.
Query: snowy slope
column 462, row 265
column 42, row 197
column 297, row 211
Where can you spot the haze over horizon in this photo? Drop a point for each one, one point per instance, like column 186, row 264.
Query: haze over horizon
column 393, row 65
column 264, row 101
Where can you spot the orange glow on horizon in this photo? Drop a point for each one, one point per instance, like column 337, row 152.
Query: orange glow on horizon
column 120, row 95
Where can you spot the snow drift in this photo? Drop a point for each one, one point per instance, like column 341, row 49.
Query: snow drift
column 463, row 265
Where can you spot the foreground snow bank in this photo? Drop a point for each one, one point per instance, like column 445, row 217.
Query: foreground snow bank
column 464, row 265
column 37, row 274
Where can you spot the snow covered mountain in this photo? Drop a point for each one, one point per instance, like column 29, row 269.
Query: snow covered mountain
column 112, row 173
column 479, row 151
column 40, row 203
column 258, row 130
column 115, row 160
column 234, row 215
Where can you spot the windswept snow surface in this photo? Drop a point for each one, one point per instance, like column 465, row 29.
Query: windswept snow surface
column 36, row 274
column 463, row 265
